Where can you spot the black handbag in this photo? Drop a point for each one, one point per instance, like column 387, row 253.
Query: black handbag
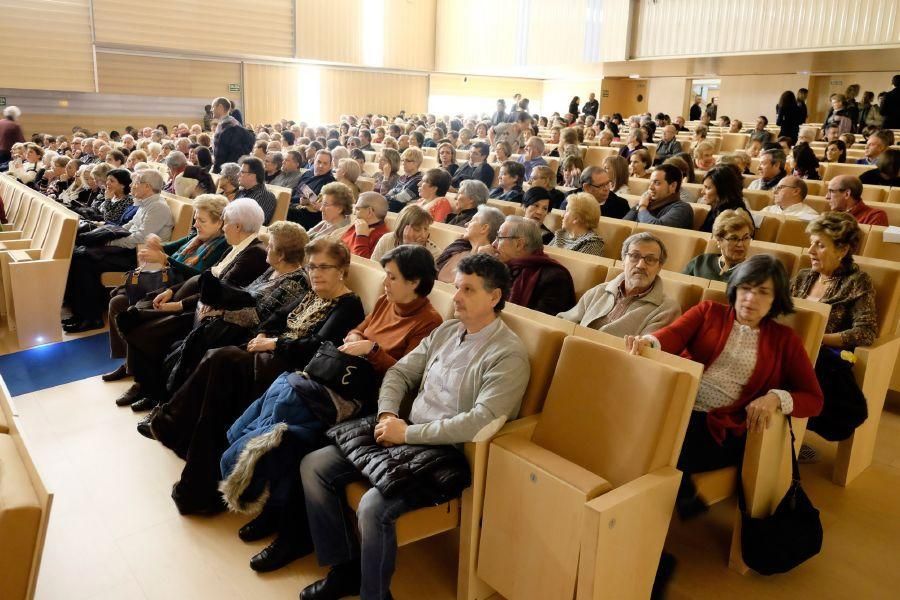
column 787, row 538
column 844, row 407
column 140, row 283
column 101, row 235
column 351, row 377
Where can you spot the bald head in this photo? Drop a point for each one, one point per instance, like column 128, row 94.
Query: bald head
column 375, row 201
column 790, row 191
column 844, row 192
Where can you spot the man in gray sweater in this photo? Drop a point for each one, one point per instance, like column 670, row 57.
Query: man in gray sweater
column 469, row 377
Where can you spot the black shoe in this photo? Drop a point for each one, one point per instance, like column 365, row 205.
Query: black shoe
column 144, row 404
column 280, row 553
column 690, row 507
column 120, row 373
column 129, row 397
column 341, row 581
column 143, row 427
column 69, row 320
column 664, row 573
column 264, row 525
column 211, row 508
column 83, row 325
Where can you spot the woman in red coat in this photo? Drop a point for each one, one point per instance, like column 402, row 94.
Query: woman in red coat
column 754, row 367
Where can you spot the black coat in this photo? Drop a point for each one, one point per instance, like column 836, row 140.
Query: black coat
column 233, row 143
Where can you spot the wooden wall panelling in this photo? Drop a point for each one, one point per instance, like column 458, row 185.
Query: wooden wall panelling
column 151, row 75
column 347, row 91
column 320, row 36
column 409, row 34
column 271, row 93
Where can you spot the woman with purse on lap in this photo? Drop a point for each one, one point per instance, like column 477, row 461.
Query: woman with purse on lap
column 179, row 260
column 287, row 422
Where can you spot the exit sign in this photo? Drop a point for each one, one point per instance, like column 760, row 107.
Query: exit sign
column 234, row 88
column 2, row 100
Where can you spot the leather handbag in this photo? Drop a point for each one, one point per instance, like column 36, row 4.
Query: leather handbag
column 140, row 283
column 787, row 538
column 352, row 377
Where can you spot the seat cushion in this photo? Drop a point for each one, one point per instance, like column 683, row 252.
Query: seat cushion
column 418, row 524
column 20, row 521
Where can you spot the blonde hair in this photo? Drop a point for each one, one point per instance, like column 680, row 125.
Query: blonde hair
column 352, row 170
column 212, row 204
column 730, row 221
column 414, row 153
column 585, row 208
column 289, row 239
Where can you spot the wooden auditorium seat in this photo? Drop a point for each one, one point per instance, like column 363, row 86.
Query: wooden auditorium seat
column 681, row 244
column 282, row 201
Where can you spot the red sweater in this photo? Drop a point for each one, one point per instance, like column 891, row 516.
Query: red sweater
column 700, row 334
column 362, row 245
column 397, row 329
column 866, row 215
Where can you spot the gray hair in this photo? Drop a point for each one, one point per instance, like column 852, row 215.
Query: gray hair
column 474, row 189
column 151, row 177
column 176, row 160
column 375, row 200
column 246, row 213
column 12, row 112
column 490, row 216
column 645, row 236
column 526, row 229
column 538, row 143
column 230, row 172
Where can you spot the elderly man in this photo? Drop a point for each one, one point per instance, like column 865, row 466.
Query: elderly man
column 252, row 180
column 634, row 301
column 771, row 170
column 85, row 294
column 696, row 109
column 471, row 194
column 477, row 167
column 368, row 227
column 272, row 165
column 177, row 163
column 591, row 107
column 365, row 140
column 87, row 152
column 289, row 175
column 679, row 124
column 595, row 181
column 128, row 144
column 512, row 132
column 668, row 146
column 534, row 149
column 10, row 133
column 304, row 207
column 661, row 204
column 877, row 143
column 467, row 378
column 183, row 145
column 789, row 198
column 539, row 282
column 844, row 194
column 230, row 141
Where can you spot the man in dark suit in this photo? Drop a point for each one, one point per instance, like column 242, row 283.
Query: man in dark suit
column 890, row 108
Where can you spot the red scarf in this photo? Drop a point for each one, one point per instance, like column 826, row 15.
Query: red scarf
column 525, row 272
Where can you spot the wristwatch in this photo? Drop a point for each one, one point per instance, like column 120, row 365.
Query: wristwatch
column 373, row 351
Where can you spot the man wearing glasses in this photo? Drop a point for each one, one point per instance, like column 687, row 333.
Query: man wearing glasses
column 844, row 194
column 595, row 181
column 368, row 227
column 252, row 180
column 789, row 196
column 634, row 301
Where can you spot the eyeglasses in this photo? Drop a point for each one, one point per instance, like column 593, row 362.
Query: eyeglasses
column 599, row 187
column 733, row 239
column 361, row 206
column 786, row 187
column 246, row 172
column 835, row 190
column 649, row 259
column 508, row 237
column 313, row 267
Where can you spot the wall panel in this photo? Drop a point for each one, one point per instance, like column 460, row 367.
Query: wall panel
column 705, row 27
column 461, row 45
column 151, row 75
column 409, row 33
column 475, row 94
column 747, row 96
column 622, row 96
column 558, row 93
column 29, row 62
column 668, row 95
column 271, row 93
column 386, row 93
column 225, row 27
column 321, row 35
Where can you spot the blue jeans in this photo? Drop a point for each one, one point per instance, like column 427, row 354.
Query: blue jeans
column 325, row 474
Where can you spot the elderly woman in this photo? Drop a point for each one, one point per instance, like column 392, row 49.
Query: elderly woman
column 722, row 190
column 335, row 202
column 412, row 228
column 481, row 230
column 183, row 258
column 733, row 233
column 117, row 197
column 639, row 164
column 633, row 303
column 194, row 421
column 388, row 171
column 471, row 194
column 834, row 279
column 703, row 155
column 537, row 206
column 348, row 172
column 434, row 185
column 85, row 294
column 502, row 151
column 753, row 368
column 225, row 315
column 446, row 154
column 400, row 320
column 407, row 187
column 510, row 180
column 634, row 142
column 229, row 181
column 579, row 224
column 138, row 156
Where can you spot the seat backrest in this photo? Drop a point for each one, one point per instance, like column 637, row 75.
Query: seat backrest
column 686, row 290
column 757, row 199
column 282, row 201
column 681, row 244
column 42, row 226
column 637, row 185
column 60, row 241
column 35, row 210
column 894, row 195
column 885, row 276
column 892, row 210
column 692, row 190
column 793, row 233
column 586, row 270
column 366, row 278
column 614, row 232
column 365, row 184
column 182, row 215
column 875, row 193
column 616, row 415
column 734, row 141
column 748, row 179
column 767, row 226
column 506, row 207
column 814, row 187
column 877, row 247
column 442, row 235
column 594, row 155
column 543, row 337
column 701, row 211
column 553, row 220
column 835, row 169
column 441, row 297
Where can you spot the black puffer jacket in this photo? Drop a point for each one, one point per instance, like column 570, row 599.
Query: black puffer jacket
column 423, row 475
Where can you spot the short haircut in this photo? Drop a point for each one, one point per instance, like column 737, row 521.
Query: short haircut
column 730, row 221
column 414, row 154
column 375, row 200
column 212, row 204
column 352, row 170
column 151, row 177
column 256, row 167
column 885, row 135
column 474, row 189
column 538, row 143
column 223, row 102
column 483, row 148
column 492, row 217
column 776, row 155
column 415, row 263
column 841, row 228
column 585, row 208
column 440, row 179
column 176, row 160
column 230, row 172
column 644, row 156
column 642, row 237
column 756, row 270
column 276, row 158
column 246, row 213
column 493, row 273
column 341, row 195
column 333, row 249
column 527, row 230
column 515, row 169
column 672, row 174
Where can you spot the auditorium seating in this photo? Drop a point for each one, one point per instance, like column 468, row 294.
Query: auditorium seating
column 682, row 244
column 282, row 201
column 586, row 270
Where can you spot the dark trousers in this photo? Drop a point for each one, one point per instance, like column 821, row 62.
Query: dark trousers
column 117, row 346
column 325, row 473
column 307, row 218
column 85, row 295
column 701, row 453
column 148, row 345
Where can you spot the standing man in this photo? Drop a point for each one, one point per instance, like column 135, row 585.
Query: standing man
column 890, row 107
column 10, row 133
column 230, row 141
column 696, row 109
column 591, row 107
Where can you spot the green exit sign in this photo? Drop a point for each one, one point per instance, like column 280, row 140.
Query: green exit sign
column 2, row 100
column 234, row 88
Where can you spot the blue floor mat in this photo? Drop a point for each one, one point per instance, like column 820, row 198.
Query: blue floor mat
column 55, row 364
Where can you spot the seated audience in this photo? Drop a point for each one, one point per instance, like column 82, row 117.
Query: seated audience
column 806, row 165
column 537, row 206
column 733, row 234
column 578, row 232
column 116, row 199
column 660, row 204
column 411, row 229
column 368, row 227
column 465, row 385
column 335, row 202
column 532, row 156
column 877, row 143
column 771, row 170
column 754, row 367
column 388, row 171
column 722, row 190
column 634, row 142
column 471, row 194
column 887, row 171
column 789, row 197
column 639, row 164
column 668, row 146
column 447, row 158
column 844, row 194
column 476, row 167
column 289, row 174
column 512, row 175
column 597, row 182
column 836, row 152
column 634, row 302
column 539, row 282
column 309, row 186
column 618, row 170
column 571, row 168
column 253, row 186
column 704, row 156
column 406, row 189
column 433, row 187
column 544, row 177
column 348, row 172
column 503, row 152
column 481, row 230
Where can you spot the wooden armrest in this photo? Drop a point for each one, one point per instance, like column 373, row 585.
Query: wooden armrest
column 24, row 255
column 13, row 234
column 590, row 484
column 623, row 535
column 19, row 244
